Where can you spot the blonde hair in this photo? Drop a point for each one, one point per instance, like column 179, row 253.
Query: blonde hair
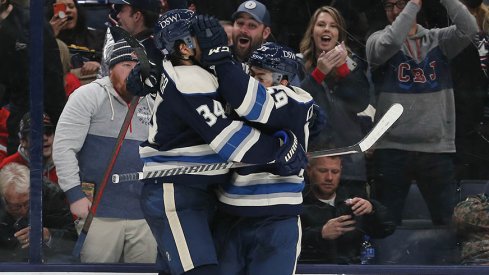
column 481, row 14
column 17, row 175
column 307, row 46
column 64, row 54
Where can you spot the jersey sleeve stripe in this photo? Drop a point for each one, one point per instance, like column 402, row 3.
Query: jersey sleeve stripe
column 215, row 158
column 274, row 188
column 260, row 200
column 196, row 150
column 257, row 103
column 248, row 99
column 246, row 144
column 263, row 178
column 220, row 140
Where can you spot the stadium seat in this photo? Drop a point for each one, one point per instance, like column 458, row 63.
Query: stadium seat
column 418, row 242
column 472, row 187
column 415, row 207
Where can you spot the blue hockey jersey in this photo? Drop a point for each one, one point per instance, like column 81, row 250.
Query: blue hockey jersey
column 190, row 126
column 259, row 190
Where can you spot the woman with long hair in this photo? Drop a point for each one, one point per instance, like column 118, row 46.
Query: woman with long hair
column 336, row 80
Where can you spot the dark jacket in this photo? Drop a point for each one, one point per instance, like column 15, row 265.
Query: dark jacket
column 342, row 99
column 346, row 248
column 14, row 68
column 14, row 71
column 56, row 217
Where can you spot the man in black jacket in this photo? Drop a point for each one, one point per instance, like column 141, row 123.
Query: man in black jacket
column 59, row 234
column 333, row 223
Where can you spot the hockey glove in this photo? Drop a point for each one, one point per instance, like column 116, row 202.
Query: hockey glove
column 291, row 158
column 136, row 85
column 212, row 40
column 318, row 121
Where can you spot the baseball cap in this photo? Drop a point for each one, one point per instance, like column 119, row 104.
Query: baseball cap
column 150, row 5
column 25, row 124
column 121, row 52
column 256, row 9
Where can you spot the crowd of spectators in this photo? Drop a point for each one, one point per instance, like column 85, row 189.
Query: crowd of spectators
column 357, row 57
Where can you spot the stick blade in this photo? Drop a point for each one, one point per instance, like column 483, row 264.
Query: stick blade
column 391, row 116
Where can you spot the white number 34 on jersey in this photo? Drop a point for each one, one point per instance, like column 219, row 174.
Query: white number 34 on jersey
column 211, row 116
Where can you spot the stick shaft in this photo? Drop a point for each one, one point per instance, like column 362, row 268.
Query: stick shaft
column 366, row 143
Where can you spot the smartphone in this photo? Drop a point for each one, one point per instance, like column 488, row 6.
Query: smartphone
column 60, row 10
column 351, row 63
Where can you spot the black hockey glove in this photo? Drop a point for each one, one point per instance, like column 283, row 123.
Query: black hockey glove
column 318, row 122
column 136, row 85
column 212, row 40
column 291, row 158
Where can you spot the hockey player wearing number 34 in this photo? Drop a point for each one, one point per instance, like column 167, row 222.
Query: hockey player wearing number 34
column 190, row 125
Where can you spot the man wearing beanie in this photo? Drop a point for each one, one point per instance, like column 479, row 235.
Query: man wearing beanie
column 85, row 135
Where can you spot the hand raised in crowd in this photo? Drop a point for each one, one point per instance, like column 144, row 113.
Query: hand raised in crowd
column 336, row 227
column 6, row 11
column 334, row 58
column 57, row 24
column 81, row 207
column 341, row 48
column 360, row 206
column 90, row 67
column 23, row 236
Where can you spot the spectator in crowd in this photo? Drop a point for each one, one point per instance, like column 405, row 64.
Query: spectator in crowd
column 22, row 154
column 251, row 28
column 71, row 28
column 334, row 221
column 337, row 82
column 138, row 18
column 71, row 81
column 58, row 232
column 85, row 136
column 14, row 69
column 409, row 65
column 471, row 220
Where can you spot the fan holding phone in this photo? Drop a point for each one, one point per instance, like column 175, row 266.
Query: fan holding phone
column 65, row 16
column 69, row 25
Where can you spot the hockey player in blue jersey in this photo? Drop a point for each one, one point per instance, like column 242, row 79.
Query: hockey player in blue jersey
column 190, row 125
column 258, row 228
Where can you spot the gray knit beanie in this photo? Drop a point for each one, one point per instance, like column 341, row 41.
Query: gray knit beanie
column 121, row 51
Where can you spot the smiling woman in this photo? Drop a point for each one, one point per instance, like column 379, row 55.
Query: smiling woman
column 337, row 82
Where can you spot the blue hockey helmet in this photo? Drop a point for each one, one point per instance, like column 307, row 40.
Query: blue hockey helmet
column 280, row 60
column 172, row 26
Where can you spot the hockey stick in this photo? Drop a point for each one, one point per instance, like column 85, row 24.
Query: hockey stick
column 366, row 143
column 118, row 144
